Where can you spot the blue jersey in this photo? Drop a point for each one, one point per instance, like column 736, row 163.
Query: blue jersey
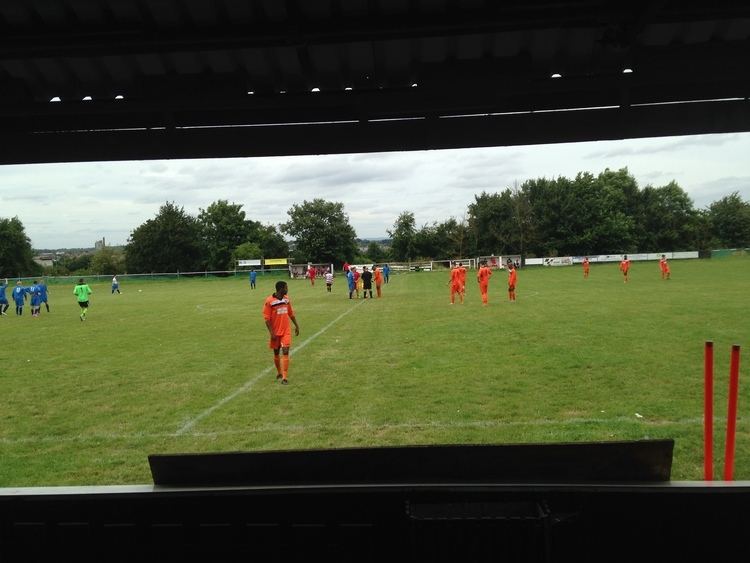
column 350, row 279
column 42, row 292
column 3, row 287
column 36, row 295
column 253, row 275
column 19, row 294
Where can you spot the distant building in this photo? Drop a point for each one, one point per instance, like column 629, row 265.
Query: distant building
column 98, row 245
column 45, row 260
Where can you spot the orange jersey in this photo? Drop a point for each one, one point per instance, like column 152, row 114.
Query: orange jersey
column 625, row 266
column 462, row 274
column 278, row 311
column 663, row 265
column 455, row 277
column 585, row 264
column 483, row 275
column 378, row 276
column 512, row 276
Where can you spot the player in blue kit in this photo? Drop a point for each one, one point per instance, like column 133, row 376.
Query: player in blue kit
column 36, row 301
column 19, row 296
column 3, row 298
column 253, row 274
column 351, row 282
column 42, row 287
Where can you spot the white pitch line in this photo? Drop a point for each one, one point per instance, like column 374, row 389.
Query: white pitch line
column 358, row 426
column 253, row 380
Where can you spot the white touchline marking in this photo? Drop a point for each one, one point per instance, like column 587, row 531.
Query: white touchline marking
column 364, row 425
column 253, row 380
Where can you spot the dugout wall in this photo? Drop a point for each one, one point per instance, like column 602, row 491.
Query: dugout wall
column 524, row 502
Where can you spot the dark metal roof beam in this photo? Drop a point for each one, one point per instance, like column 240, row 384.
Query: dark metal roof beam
column 151, row 38
column 502, row 130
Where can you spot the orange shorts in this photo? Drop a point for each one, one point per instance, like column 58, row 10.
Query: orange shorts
column 283, row 341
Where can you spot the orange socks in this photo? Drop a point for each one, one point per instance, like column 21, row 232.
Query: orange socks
column 284, row 365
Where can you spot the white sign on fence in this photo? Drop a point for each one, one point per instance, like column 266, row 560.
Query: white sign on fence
column 559, row 261
column 245, row 263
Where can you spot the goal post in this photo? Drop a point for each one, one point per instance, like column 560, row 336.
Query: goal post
column 469, row 263
column 493, row 262
column 300, row 271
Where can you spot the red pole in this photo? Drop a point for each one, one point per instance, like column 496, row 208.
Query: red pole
column 734, row 384
column 708, row 411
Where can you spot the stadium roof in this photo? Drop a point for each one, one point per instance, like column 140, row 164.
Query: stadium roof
column 147, row 79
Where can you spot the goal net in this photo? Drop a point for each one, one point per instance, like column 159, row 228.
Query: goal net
column 300, row 271
column 468, row 263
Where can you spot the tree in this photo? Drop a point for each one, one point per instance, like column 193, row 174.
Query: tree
column 16, row 254
column 403, row 237
column 271, row 241
column 730, row 221
column 321, row 231
column 375, row 252
column 586, row 215
column 441, row 240
column 77, row 264
column 247, row 251
column 491, row 223
column 107, row 261
column 668, row 220
column 223, row 229
column 170, row 242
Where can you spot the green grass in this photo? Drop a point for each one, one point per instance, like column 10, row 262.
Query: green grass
column 572, row 360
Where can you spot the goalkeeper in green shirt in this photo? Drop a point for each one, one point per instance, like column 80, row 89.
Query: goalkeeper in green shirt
column 82, row 292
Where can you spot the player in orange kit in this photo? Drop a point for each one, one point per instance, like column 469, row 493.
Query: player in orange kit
column 455, row 283
column 585, row 267
column 483, row 278
column 378, row 276
column 625, row 267
column 512, row 280
column 664, row 267
column 462, row 273
column 277, row 312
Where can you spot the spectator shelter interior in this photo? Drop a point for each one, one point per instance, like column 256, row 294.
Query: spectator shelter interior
column 105, row 80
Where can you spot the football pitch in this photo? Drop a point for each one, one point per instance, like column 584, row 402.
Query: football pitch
column 184, row 366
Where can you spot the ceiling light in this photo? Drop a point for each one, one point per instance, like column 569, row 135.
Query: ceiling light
column 556, row 75
column 55, row 99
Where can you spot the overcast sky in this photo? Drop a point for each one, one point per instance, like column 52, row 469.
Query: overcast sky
column 73, row 205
